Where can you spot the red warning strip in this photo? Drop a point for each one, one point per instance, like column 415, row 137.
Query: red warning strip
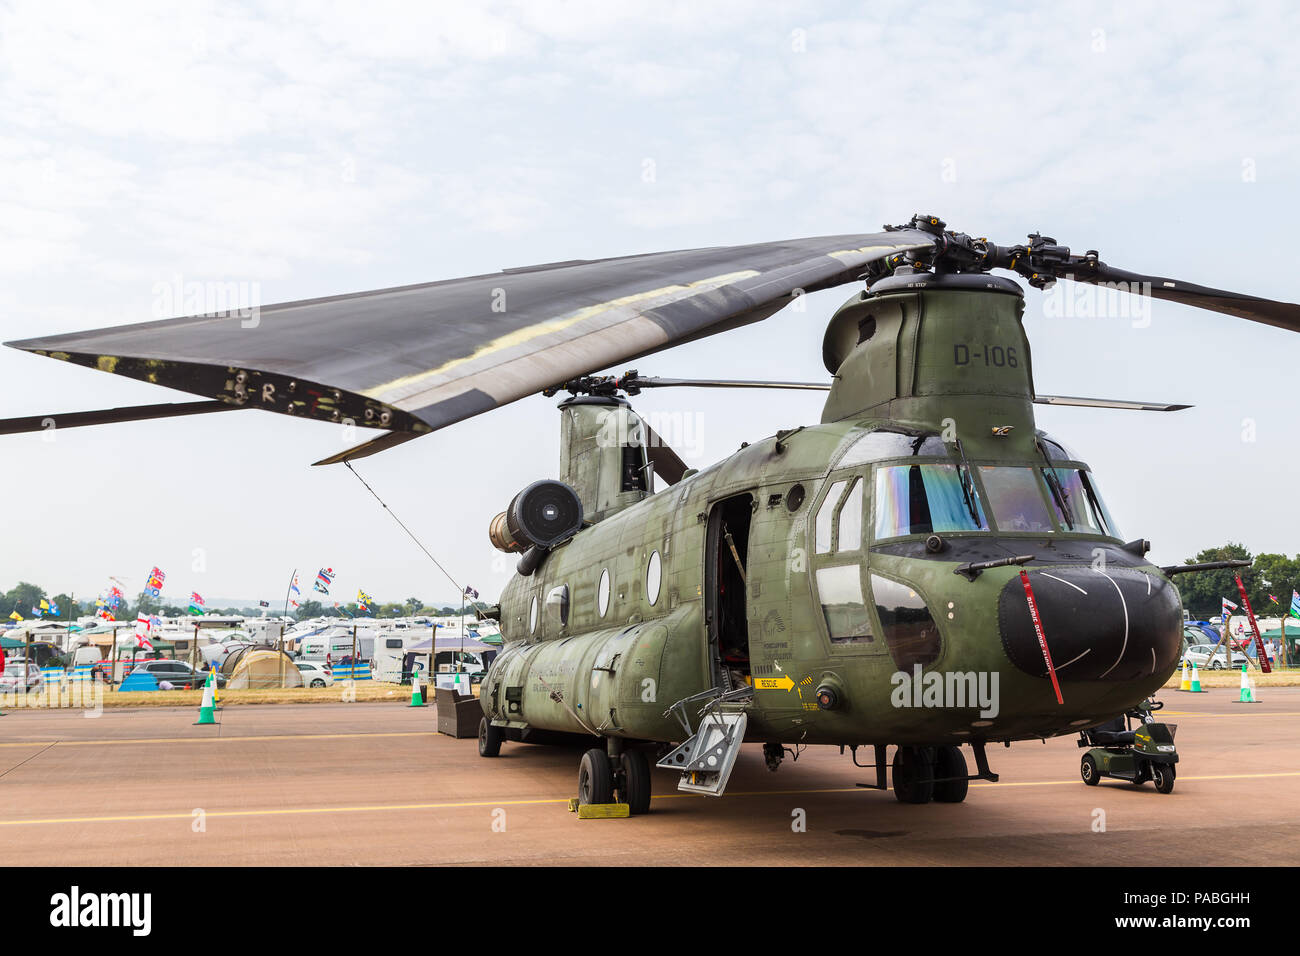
column 1042, row 638
column 1259, row 641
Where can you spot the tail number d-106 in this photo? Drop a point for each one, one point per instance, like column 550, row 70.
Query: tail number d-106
column 994, row 356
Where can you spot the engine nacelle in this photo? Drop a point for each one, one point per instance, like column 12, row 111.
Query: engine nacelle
column 541, row 516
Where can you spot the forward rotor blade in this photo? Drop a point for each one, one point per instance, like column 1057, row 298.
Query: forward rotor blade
column 1282, row 315
column 722, row 383
column 418, row 358
column 107, row 416
column 1107, row 403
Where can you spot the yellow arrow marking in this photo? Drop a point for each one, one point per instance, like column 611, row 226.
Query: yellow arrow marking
column 774, row 683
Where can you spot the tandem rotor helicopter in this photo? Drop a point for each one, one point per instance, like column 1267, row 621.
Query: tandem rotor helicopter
column 922, row 569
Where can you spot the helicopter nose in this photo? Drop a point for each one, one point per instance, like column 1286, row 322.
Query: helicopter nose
column 1115, row 624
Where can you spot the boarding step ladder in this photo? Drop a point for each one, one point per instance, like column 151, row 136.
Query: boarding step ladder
column 707, row 757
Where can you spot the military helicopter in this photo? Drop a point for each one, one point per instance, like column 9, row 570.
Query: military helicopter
column 922, row 569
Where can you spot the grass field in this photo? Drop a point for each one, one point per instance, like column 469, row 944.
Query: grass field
column 364, row 691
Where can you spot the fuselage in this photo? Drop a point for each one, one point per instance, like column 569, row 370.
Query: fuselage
column 841, row 589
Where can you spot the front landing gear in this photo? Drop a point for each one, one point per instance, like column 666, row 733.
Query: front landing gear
column 922, row 774
column 913, row 775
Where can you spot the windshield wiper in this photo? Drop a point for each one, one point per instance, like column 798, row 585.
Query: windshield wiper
column 964, row 476
column 1054, row 483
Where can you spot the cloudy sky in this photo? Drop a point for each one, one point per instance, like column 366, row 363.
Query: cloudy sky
column 311, row 149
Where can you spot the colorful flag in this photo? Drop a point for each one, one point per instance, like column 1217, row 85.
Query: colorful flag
column 1228, row 608
column 15, row 616
column 263, row 603
column 54, row 609
column 324, row 578
column 196, row 602
column 142, row 632
column 36, row 611
column 294, row 586
column 153, row 586
column 45, row 605
column 1295, row 603
column 364, row 601
column 470, row 592
column 1275, row 600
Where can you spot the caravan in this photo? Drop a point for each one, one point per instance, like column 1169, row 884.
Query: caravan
column 336, row 644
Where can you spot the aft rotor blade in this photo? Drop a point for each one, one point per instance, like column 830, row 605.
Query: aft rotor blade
column 1282, row 315
column 418, row 358
column 1108, row 403
column 108, row 416
column 366, row 449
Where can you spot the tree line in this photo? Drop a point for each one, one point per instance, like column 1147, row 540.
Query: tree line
column 24, row 596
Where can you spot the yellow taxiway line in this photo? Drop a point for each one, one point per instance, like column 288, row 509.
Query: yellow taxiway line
column 208, row 740
column 388, row 808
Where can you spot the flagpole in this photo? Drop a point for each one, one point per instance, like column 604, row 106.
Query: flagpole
column 292, row 577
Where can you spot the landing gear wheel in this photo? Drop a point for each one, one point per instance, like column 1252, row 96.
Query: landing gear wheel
column 595, row 778
column 489, row 739
column 634, row 788
column 1089, row 770
column 913, row 775
column 1163, row 775
column 949, row 762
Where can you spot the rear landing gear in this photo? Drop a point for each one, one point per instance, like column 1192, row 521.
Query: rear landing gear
column 489, row 739
column 634, row 782
column 601, row 776
column 595, row 777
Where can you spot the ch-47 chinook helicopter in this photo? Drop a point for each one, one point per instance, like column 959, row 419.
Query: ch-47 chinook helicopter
column 923, row 568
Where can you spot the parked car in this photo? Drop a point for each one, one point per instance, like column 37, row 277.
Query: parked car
column 314, row 674
column 1199, row 654
column 177, row 673
column 19, row 675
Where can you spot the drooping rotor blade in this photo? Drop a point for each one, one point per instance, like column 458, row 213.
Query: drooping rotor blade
column 1282, row 315
column 366, row 449
column 106, row 416
column 418, row 358
column 1107, row 403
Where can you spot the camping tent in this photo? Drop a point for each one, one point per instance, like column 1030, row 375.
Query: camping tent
column 259, row 667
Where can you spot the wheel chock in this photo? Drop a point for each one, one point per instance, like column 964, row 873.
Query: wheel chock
column 603, row 811
column 573, row 805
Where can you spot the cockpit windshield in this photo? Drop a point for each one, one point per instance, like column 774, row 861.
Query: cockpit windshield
column 920, row 499
column 1015, row 499
column 932, row 497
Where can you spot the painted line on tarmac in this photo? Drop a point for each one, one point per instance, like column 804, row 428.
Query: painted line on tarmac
column 1234, row 713
column 217, row 740
column 386, row 808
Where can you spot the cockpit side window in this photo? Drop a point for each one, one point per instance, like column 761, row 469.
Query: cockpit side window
column 1084, row 509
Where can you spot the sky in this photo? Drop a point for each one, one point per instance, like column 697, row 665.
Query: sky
column 304, row 150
